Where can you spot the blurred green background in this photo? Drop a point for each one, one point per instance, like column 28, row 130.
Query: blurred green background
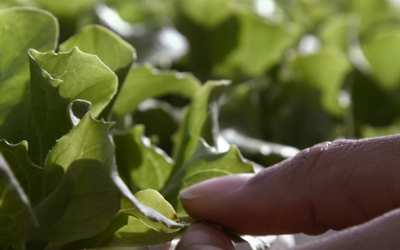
column 303, row 71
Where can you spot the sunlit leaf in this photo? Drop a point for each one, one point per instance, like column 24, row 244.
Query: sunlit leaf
column 83, row 76
column 197, row 121
column 63, row 8
column 370, row 12
column 20, row 29
column 209, row 13
column 261, row 46
column 89, row 139
column 146, row 82
column 95, row 39
column 144, row 213
column 325, row 70
column 82, row 196
column 334, row 31
column 383, row 53
column 141, row 231
column 47, row 115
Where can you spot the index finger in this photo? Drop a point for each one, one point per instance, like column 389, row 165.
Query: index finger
column 328, row 186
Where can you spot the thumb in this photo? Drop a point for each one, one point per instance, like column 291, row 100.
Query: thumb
column 231, row 201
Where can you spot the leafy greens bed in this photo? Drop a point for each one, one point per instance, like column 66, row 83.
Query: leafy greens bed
column 86, row 155
column 66, row 178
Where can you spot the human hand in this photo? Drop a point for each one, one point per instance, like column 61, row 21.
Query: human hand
column 329, row 186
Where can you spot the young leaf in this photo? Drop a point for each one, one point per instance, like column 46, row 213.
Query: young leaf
column 325, row 70
column 135, row 233
column 112, row 50
column 196, row 121
column 141, row 164
column 209, row 13
column 146, row 82
column 204, row 164
column 261, row 46
column 47, row 115
column 144, row 213
column 82, row 196
column 84, row 76
column 20, row 29
column 89, row 139
column 28, row 174
column 371, row 12
column 15, row 209
column 156, row 201
column 66, row 9
column 117, row 54
column 334, row 31
column 141, row 231
column 382, row 51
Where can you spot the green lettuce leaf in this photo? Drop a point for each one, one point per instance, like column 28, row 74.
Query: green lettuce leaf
column 67, row 9
column 81, row 197
column 141, row 164
column 47, row 115
column 84, row 76
column 20, row 29
column 371, row 12
column 204, row 164
column 334, row 31
column 198, row 121
column 15, row 209
column 112, row 50
column 118, row 221
column 209, row 13
column 261, row 46
column 93, row 203
column 89, row 139
column 144, row 213
column 29, row 175
column 382, row 51
column 145, row 82
column 140, row 230
column 326, row 70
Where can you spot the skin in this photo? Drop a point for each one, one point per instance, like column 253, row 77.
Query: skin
column 348, row 185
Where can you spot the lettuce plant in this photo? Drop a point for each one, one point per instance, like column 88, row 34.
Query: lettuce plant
column 74, row 174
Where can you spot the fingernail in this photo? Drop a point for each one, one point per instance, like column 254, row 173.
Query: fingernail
column 215, row 186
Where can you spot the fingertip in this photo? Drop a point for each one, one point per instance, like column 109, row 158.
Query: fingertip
column 215, row 186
